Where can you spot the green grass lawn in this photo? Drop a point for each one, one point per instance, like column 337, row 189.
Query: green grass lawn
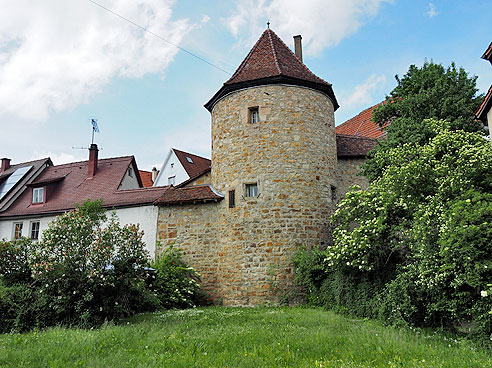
column 238, row 337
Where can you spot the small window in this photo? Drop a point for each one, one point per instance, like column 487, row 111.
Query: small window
column 171, row 180
column 232, row 198
column 38, row 195
column 17, row 230
column 189, row 159
column 254, row 115
column 130, row 172
column 333, row 193
column 34, row 230
column 252, row 190
column 172, row 165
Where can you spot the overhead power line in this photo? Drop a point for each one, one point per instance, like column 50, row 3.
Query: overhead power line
column 159, row 37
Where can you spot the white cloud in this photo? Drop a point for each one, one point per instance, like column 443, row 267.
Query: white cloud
column 322, row 24
column 362, row 94
column 55, row 54
column 432, row 12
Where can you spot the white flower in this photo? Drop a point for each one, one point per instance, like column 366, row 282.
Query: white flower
column 484, row 293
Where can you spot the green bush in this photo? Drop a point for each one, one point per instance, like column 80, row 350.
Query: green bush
column 175, row 284
column 86, row 269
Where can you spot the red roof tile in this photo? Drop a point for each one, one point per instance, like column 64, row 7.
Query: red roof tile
column 354, row 146
column 271, row 57
column 270, row 61
column 197, row 167
column 362, row 125
column 77, row 188
column 146, row 177
column 186, row 195
column 485, row 106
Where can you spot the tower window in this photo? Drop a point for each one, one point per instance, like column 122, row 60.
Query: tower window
column 38, row 195
column 252, row 190
column 333, row 193
column 130, row 172
column 232, row 198
column 254, row 115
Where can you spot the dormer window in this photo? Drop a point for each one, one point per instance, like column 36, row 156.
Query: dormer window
column 38, row 195
column 189, row 159
column 254, row 115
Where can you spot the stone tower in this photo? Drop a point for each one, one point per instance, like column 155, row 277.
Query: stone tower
column 274, row 158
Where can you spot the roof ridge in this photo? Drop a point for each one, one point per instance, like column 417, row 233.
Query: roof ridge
column 243, row 64
column 68, row 164
column 299, row 61
column 274, row 51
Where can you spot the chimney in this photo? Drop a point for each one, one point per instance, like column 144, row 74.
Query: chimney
column 155, row 172
column 298, row 46
column 5, row 165
column 92, row 161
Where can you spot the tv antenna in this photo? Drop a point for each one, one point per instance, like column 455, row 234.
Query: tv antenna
column 95, row 129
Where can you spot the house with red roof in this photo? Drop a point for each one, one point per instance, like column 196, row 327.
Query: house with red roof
column 44, row 190
column 484, row 112
column 182, row 167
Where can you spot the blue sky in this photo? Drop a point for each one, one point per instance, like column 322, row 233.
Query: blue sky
column 65, row 62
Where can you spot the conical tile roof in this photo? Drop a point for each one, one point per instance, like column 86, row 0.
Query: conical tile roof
column 270, row 61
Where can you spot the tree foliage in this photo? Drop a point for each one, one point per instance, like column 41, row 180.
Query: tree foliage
column 429, row 92
column 418, row 242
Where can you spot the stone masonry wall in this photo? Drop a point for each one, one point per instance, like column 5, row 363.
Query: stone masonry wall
column 348, row 169
column 291, row 154
column 244, row 253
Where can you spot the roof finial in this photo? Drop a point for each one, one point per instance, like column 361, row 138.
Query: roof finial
column 268, row 24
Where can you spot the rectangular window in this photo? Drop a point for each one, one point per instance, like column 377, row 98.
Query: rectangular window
column 254, row 115
column 171, row 180
column 232, row 198
column 17, row 230
column 130, row 172
column 252, row 190
column 34, row 230
column 38, row 195
column 333, row 193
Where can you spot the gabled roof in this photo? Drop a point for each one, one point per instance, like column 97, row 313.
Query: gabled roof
column 37, row 167
column 186, row 195
column 487, row 55
column 146, row 177
column 485, row 107
column 73, row 186
column 270, row 61
column 362, row 125
column 196, row 167
column 354, row 146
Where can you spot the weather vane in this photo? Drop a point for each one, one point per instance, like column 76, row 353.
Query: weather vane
column 95, row 129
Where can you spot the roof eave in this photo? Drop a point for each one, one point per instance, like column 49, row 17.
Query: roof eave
column 279, row 79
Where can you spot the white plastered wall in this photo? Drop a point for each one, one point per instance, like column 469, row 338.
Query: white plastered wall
column 145, row 216
column 171, row 167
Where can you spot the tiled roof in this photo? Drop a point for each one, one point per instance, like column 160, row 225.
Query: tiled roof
column 270, row 61
column 38, row 167
column 487, row 55
column 485, row 106
column 271, row 57
column 361, row 125
column 186, row 195
column 197, row 167
column 146, row 177
column 77, row 188
column 354, row 146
